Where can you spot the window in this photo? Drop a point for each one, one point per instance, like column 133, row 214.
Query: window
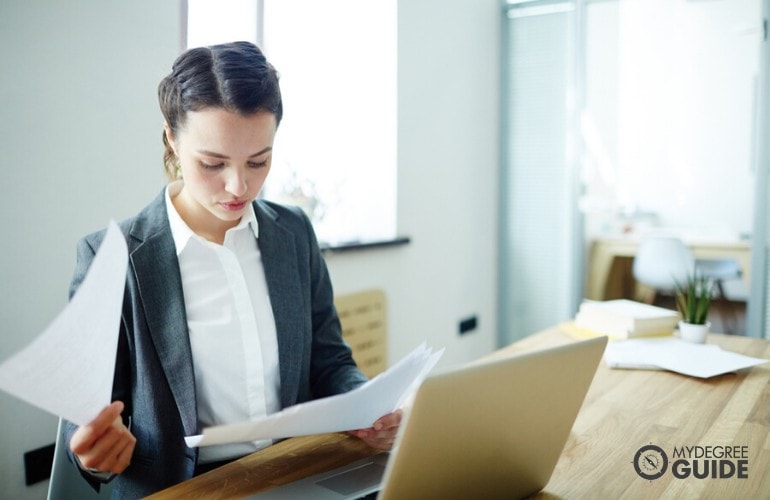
column 335, row 151
column 210, row 22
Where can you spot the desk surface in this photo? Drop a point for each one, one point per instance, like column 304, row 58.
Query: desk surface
column 623, row 411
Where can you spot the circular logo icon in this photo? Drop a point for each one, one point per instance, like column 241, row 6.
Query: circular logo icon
column 650, row 462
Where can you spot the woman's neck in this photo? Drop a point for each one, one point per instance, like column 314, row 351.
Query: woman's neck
column 202, row 222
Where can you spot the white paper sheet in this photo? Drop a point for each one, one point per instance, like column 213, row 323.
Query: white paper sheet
column 695, row 360
column 68, row 370
column 357, row 409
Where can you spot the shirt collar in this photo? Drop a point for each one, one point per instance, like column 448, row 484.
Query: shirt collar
column 249, row 218
column 181, row 232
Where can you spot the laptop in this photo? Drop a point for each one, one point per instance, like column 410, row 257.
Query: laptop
column 488, row 430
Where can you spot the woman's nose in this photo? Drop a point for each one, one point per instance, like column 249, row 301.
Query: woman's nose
column 236, row 182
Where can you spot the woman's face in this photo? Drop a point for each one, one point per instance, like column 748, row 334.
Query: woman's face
column 225, row 158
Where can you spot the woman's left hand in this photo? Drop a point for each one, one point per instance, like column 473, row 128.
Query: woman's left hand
column 382, row 434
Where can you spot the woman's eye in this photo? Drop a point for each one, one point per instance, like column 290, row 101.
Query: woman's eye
column 254, row 164
column 209, row 166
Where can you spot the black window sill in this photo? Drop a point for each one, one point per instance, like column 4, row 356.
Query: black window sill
column 363, row 245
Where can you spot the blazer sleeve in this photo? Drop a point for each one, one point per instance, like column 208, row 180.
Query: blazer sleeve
column 332, row 370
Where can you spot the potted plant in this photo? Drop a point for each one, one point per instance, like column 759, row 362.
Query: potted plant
column 693, row 299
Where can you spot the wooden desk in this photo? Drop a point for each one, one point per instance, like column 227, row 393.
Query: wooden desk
column 603, row 282
column 623, row 411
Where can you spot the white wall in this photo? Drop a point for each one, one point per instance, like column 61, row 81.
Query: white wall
column 80, row 141
column 80, row 137
column 448, row 162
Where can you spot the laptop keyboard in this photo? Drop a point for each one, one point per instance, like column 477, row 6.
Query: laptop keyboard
column 355, row 480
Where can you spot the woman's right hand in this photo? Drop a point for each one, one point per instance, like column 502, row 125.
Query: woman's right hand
column 105, row 444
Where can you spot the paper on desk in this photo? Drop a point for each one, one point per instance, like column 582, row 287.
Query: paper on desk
column 357, row 409
column 673, row 354
column 68, row 370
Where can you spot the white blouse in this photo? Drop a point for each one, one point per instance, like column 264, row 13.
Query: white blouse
column 232, row 328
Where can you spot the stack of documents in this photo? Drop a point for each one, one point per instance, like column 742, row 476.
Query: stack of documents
column 673, row 354
column 622, row 319
column 357, row 409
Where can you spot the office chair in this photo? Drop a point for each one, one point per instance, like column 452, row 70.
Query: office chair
column 719, row 270
column 66, row 482
column 661, row 262
column 363, row 316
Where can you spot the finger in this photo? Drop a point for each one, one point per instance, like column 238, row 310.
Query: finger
column 124, row 457
column 100, row 455
column 119, row 456
column 84, row 438
column 109, row 452
column 388, row 421
column 380, row 442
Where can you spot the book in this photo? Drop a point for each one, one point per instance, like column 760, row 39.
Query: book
column 623, row 318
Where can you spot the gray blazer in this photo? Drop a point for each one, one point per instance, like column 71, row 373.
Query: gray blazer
column 154, row 370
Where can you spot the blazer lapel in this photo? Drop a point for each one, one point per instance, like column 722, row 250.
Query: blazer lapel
column 160, row 288
column 279, row 258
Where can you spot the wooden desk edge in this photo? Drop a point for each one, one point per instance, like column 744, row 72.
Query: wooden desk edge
column 281, row 463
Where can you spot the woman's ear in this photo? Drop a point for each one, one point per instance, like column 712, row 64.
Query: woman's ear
column 170, row 136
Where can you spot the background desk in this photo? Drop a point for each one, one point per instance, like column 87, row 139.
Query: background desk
column 607, row 276
column 623, row 411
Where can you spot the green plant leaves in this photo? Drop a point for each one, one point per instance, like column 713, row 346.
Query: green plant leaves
column 693, row 298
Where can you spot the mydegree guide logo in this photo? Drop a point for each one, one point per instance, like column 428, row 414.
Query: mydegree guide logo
column 700, row 462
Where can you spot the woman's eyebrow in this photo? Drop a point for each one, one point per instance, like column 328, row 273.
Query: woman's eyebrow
column 225, row 157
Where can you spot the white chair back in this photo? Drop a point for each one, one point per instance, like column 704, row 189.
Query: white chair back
column 661, row 261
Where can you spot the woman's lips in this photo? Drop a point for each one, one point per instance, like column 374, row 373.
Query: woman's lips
column 233, row 206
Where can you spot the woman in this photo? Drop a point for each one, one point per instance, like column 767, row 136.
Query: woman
column 228, row 312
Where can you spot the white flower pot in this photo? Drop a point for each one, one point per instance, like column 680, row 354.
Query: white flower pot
column 694, row 333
